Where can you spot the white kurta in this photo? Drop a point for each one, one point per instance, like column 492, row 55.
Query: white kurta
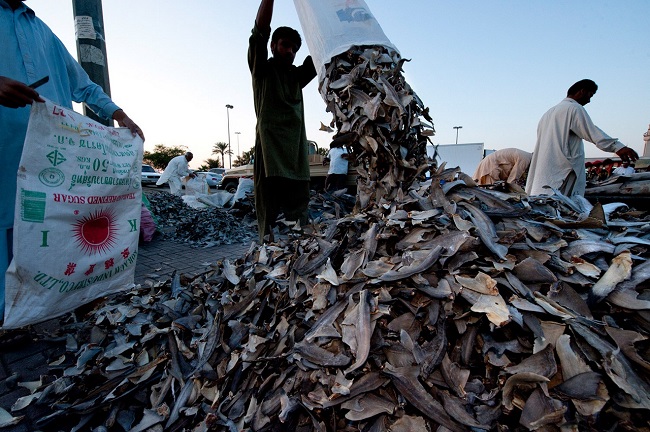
column 627, row 171
column 507, row 164
column 338, row 165
column 176, row 168
column 560, row 152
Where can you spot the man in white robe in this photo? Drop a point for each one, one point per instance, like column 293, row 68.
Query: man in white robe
column 508, row 165
column 559, row 156
column 176, row 169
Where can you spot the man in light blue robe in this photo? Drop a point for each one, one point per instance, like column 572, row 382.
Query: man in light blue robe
column 31, row 51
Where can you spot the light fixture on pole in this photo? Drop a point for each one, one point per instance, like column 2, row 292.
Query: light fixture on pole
column 237, row 133
column 457, row 127
column 228, row 108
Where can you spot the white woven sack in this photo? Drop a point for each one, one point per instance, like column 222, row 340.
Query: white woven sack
column 246, row 186
column 197, row 185
column 331, row 27
column 77, row 217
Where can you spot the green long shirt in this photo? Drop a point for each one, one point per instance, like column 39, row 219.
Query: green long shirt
column 280, row 139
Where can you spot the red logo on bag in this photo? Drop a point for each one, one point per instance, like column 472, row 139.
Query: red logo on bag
column 96, row 233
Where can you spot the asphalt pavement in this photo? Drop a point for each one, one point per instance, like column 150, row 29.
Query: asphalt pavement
column 25, row 355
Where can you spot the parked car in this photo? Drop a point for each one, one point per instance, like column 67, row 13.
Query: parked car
column 217, row 170
column 149, row 175
column 213, row 179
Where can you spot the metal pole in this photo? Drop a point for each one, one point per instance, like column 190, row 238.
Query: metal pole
column 237, row 133
column 228, row 108
column 91, row 47
column 457, row 127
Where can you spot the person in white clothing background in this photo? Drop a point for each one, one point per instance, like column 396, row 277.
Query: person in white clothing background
column 625, row 169
column 338, row 170
column 176, row 169
column 559, row 155
column 509, row 165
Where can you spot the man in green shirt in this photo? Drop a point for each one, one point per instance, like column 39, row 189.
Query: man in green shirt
column 281, row 172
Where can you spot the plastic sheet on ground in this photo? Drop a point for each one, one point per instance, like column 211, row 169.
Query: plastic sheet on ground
column 193, row 201
column 219, row 199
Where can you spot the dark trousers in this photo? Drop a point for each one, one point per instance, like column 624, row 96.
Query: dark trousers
column 275, row 195
column 335, row 182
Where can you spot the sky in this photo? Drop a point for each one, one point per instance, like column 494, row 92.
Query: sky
column 491, row 66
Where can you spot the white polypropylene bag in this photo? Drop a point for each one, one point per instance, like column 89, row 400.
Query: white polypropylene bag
column 331, row 27
column 245, row 186
column 197, row 185
column 77, row 220
column 193, row 201
column 218, row 199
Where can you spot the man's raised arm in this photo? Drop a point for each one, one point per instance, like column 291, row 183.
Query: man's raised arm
column 264, row 15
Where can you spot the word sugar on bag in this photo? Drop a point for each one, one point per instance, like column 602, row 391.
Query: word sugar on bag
column 77, row 217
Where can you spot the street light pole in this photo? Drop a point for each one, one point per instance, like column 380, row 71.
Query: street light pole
column 228, row 108
column 237, row 133
column 457, row 127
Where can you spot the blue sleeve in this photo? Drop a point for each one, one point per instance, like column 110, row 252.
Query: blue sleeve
column 82, row 89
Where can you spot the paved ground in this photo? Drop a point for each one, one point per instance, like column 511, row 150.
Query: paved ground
column 158, row 259
column 25, row 357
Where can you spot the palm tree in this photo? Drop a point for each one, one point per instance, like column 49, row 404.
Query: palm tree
column 222, row 149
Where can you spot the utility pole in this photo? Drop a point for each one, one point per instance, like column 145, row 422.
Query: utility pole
column 228, row 108
column 91, row 46
column 457, row 127
column 237, row 133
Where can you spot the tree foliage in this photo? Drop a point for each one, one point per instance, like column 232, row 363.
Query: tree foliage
column 161, row 155
column 222, row 149
column 245, row 158
column 209, row 163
